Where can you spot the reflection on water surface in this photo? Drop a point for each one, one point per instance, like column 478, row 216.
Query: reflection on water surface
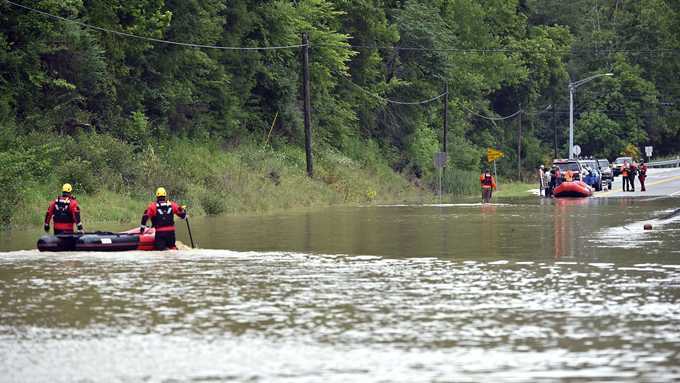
column 520, row 292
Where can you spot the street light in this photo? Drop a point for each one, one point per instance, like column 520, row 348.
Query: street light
column 572, row 89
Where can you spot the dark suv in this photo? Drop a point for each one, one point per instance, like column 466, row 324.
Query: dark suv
column 573, row 165
column 607, row 174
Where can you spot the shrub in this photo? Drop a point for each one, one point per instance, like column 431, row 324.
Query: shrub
column 211, row 203
column 78, row 172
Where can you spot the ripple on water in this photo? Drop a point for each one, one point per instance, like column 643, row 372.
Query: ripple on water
column 281, row 316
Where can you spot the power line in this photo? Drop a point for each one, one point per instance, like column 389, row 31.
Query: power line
column 390, row 101
column 151, row 39
column 504, row 50
column 491, row 118
column 422, row 49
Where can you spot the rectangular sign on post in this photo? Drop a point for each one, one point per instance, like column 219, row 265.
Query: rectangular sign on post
column 493, row 154
column 440, row 160
column 648, row 151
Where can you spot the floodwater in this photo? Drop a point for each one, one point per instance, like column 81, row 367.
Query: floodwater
column 523, row 291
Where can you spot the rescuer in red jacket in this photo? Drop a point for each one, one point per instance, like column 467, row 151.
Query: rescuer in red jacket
column 488, row 184
column 65, row 212
column 162, row 214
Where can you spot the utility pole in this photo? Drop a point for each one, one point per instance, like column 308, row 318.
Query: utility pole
column 519, row 146
column 554, row 124
column 446, row 119
column 307, row 104
column 572, row 88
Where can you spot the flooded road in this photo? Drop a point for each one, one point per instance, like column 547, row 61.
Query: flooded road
column 521, row 291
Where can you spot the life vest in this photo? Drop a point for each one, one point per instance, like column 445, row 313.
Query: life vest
column 643, row 170
column 164, row 216
column 487, row 181
column 62, row 210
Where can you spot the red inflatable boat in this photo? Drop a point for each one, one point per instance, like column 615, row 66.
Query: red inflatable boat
column 99, row 241
column 573, row 189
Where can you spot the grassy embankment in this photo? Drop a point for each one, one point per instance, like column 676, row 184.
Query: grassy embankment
column 514, row 189
column 114, row 181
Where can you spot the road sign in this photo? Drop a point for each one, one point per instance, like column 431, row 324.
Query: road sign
column 440, row 159
column 648, row 151
column 493, row 154
column 577, row 150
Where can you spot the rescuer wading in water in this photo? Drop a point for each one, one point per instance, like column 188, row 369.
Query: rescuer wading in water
column 162, row 214
column 65, row 212
column 488, row 185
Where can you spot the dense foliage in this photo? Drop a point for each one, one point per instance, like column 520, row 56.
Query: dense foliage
column 60, row 78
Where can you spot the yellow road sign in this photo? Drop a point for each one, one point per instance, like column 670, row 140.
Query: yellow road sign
column 493, row 154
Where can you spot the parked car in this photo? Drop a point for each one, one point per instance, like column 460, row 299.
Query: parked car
column 606, row 171
column 618, row 164
column 572, row 165
column 591, row 174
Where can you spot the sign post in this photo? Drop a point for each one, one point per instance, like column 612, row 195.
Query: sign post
column 440, row 160
column 491, row 156
column 576, row 150
column 648, row 152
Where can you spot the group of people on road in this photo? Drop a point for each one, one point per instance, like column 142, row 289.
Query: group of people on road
column 64, row 212
column 551, row 179
column 628, row 173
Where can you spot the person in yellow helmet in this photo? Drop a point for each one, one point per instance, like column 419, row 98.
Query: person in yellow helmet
column 162, row 215
column 65, row 212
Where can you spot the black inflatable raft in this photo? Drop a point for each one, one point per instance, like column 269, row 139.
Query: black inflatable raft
column 98, row 241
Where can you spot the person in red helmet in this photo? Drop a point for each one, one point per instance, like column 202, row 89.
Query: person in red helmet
column 162, row 215
column 65, row 212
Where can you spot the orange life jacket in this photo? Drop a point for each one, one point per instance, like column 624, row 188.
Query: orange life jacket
column 487, row 182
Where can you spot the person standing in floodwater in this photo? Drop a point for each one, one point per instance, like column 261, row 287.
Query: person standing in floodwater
column 632, row 172
column 558, row 176
column 488, row 184
column 547, row 181
column 541, row 182
column 625, row 171
column 65, row 212
column 642, row 175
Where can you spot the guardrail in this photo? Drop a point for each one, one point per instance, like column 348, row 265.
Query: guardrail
column 660, row 164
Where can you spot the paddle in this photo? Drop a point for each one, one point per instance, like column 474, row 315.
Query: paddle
column 189, row 230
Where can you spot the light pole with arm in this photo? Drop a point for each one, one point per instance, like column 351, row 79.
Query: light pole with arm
column 572, row 88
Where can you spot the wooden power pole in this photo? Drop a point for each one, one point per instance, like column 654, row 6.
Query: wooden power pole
column 307, row 104
column 554, row 124
column 519, row 146
column 446, row 119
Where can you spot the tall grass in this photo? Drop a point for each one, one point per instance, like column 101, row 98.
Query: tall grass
column 457, row 182
column 116, row 183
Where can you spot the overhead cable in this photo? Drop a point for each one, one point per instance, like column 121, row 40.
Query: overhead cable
column 491, row 118
column 151, row 39
column 503, row 50
column 390, row 101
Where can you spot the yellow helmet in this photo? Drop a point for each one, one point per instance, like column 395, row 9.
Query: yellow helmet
column 67, row 188
column 160, row 192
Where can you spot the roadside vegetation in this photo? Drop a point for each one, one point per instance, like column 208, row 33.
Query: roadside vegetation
column 114, row 181
column 222, row 128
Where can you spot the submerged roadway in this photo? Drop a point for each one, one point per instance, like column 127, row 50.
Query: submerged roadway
column 660, row 182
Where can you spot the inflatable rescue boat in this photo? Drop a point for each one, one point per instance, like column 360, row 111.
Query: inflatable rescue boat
column 573, row 189
column 99, row 241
